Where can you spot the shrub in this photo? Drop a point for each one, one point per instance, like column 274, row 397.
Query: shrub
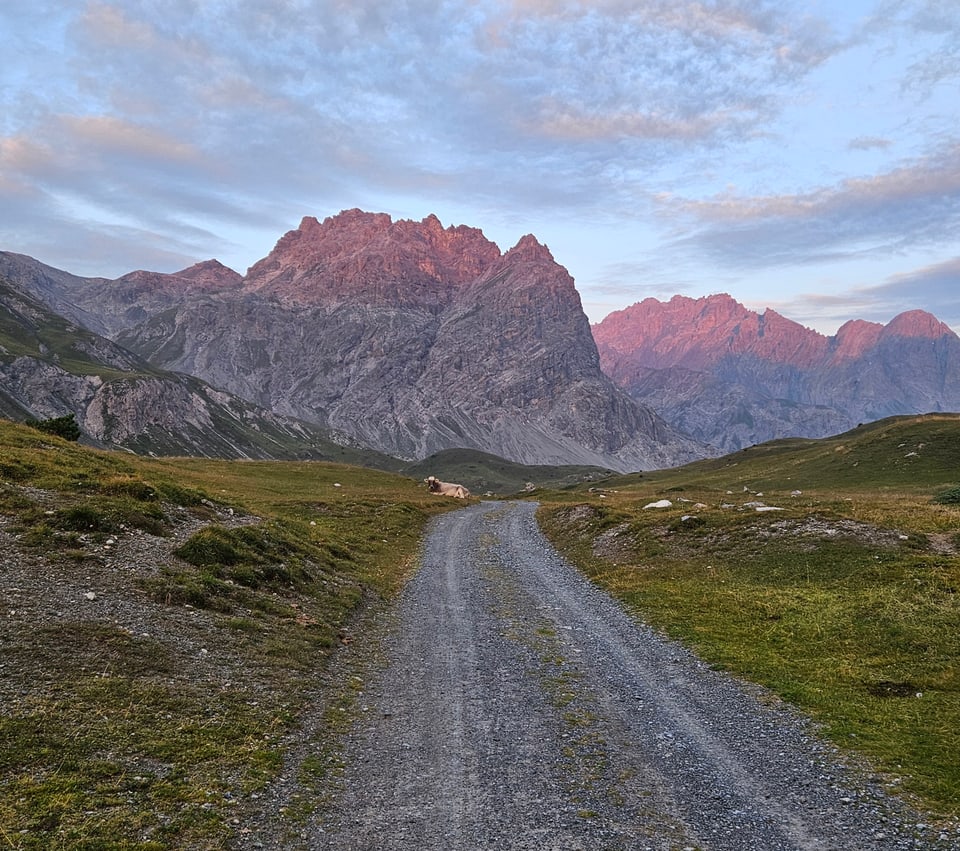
column 65, row 427
column 948, row 497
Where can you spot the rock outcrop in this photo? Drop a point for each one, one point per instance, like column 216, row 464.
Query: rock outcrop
column 732, row 377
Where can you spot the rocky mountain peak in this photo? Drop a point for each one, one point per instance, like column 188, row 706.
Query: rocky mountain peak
column 530, row 250
column 367, row 257
column 855, row 337
column 693, row 333
column 211, row 274
column 917, row 323
column 732, row 377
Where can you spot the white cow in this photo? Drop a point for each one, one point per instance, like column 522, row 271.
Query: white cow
column 446, row 488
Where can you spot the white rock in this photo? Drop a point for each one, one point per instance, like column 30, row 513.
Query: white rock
column 769, row 508
column 660, row 503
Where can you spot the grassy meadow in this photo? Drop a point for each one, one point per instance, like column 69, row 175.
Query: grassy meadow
column 846, row 602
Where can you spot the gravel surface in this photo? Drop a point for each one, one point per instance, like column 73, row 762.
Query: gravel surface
column 516, row 706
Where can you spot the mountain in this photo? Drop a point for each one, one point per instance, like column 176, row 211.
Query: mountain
column 107, row 306
column 732, row 377
column 408, row 337
column 50, row 366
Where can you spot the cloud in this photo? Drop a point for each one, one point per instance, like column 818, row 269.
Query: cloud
column 256, row 112
column 936, row 288
column 868, row 143
column 917, row 203
column 937, row 284
column 937, row 23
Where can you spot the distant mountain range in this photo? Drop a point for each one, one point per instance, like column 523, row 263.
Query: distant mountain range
column 731, row 377
column 363, row 334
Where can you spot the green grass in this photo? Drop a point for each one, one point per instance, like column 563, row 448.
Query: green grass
column 846, row 603
column 152, row 737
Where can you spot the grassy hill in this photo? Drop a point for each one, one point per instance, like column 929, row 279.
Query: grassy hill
column 163, row 623
column 826, row 570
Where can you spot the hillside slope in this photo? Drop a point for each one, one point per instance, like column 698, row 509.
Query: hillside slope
column 50, row 367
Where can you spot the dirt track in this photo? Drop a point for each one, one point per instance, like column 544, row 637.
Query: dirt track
column 520, row 708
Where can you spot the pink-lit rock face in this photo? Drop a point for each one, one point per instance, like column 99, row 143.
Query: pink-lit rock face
column 698, row 333
column 732, row 377
column 367, row 257
column 916, row 323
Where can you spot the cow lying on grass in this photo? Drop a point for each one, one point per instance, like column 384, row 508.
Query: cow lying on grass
column 446, row 488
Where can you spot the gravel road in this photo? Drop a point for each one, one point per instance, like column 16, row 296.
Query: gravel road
column 519, row 707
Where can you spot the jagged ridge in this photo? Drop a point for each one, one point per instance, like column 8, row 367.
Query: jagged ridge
column 733, row 377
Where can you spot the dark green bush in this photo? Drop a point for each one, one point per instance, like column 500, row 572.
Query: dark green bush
column 948, row 497
column 65, row 427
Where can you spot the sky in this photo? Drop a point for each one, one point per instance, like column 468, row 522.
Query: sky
column 800, row 156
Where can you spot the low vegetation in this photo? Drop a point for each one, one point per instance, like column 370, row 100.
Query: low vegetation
column 827, row 571
column 163, row 624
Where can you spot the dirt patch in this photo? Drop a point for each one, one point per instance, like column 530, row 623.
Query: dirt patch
column 615, row 545
column 944, row 544
column 824, row 529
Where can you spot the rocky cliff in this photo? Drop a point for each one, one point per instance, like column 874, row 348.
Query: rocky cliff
column 733, row 377
column 414, row 338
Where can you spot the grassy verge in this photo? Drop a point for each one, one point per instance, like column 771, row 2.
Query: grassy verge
column 846, row 602
column 163, row 622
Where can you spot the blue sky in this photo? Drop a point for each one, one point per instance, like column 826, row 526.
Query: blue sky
column 803, row 156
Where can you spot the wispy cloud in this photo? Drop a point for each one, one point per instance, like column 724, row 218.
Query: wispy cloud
column 916, row 203
column 311, row 97
column 937, row 284
column 936, row 19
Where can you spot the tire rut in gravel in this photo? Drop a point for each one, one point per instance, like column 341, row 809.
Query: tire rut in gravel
column 520, row 708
